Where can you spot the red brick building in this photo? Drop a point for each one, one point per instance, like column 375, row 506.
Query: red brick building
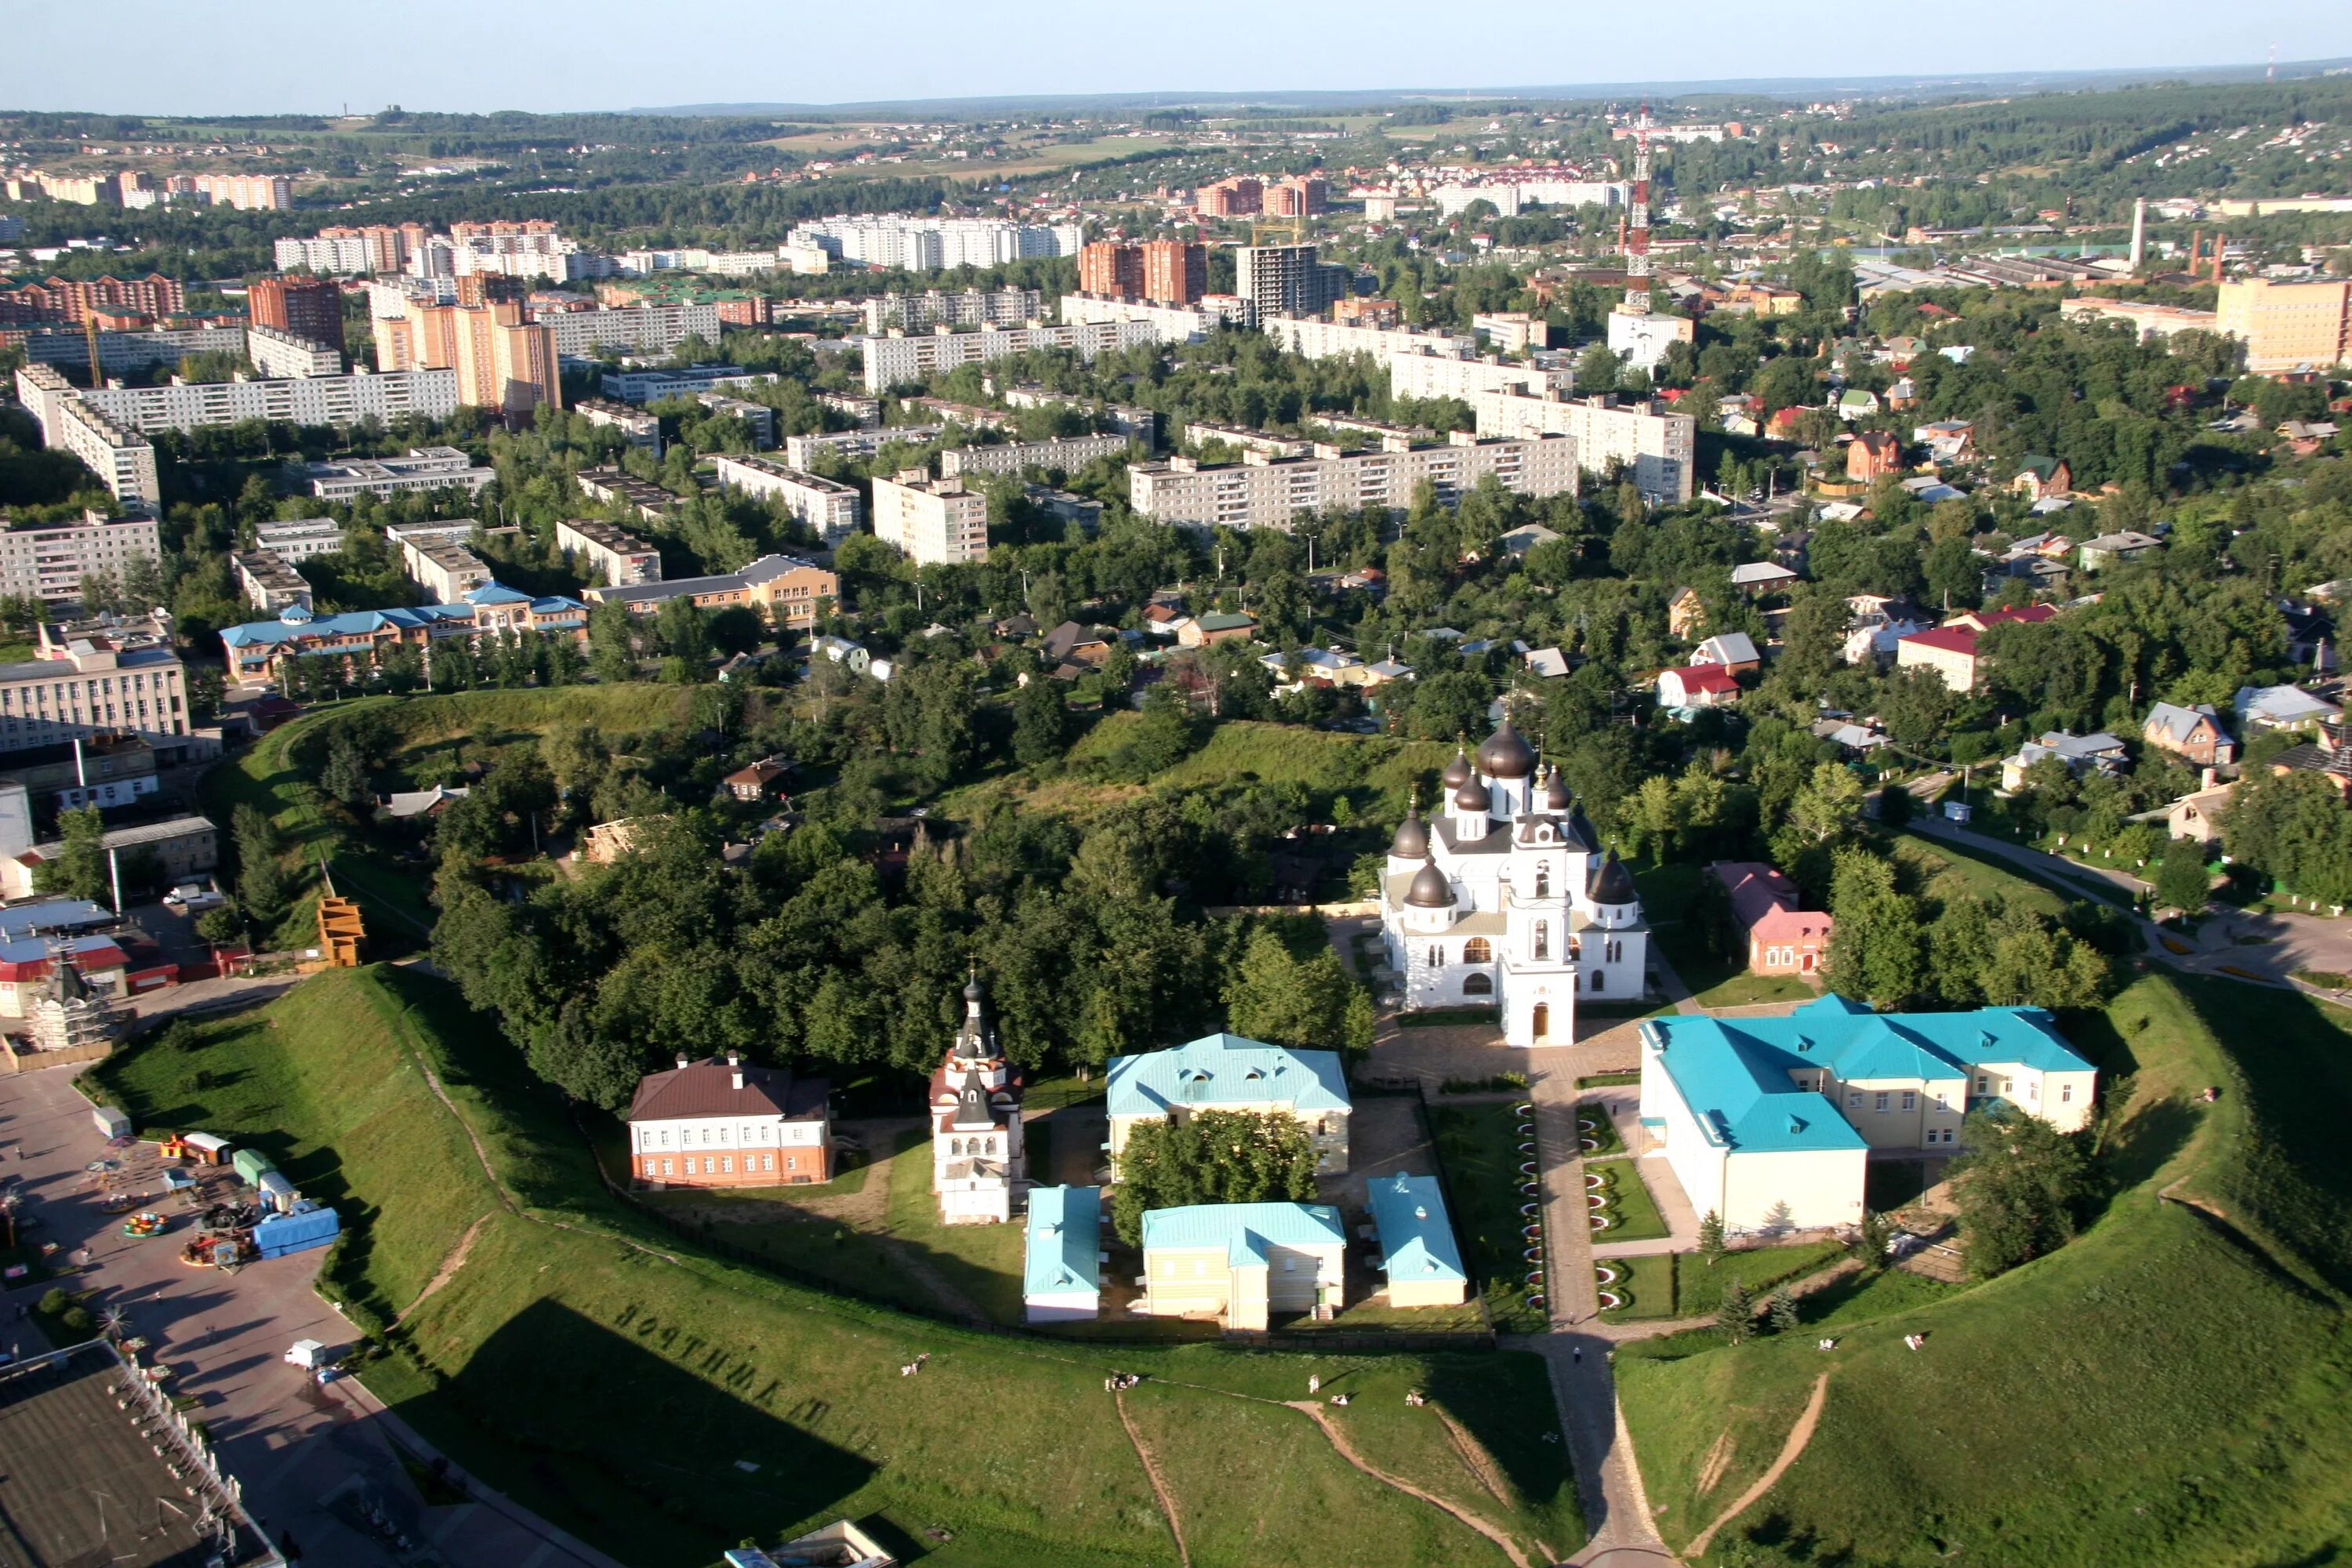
column 308, row 308
column 725, row 1123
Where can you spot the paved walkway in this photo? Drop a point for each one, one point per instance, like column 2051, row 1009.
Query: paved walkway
column 306, row 1457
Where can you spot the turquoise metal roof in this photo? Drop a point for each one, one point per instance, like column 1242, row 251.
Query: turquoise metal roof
column 1063, row 1252
column 1416, row 1238
column 367, row 622
column 1226, row 1070
column 1244, row 1230
column 1735, row 1074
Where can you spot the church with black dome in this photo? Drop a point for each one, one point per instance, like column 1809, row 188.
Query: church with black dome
column 1501, row 897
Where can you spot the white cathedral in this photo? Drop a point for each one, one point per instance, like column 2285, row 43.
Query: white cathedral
column 1503, row 900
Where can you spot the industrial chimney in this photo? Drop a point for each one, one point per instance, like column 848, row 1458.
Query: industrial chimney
column 2140, row 233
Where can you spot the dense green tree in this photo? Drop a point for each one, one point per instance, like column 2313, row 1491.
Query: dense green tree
column 1211, row 1157
column 2022, row 1187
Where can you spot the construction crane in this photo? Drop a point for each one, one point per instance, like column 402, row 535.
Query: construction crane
column 90, row 336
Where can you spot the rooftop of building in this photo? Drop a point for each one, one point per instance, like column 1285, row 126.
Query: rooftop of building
column 1062, row 1252
column 718, row 1087
column 1417, row 1241
column 1243, row 1232
column 1226, row 1070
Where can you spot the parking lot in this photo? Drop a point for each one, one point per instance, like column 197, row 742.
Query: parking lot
column 314, row 1462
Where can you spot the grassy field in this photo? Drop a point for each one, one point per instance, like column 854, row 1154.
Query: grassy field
column 2171, row 1388
column 569, row 1307
column 274, row 776
column 1938, row 869
column 1647, row 1285
column 1375, row 773
column 1478, row 1146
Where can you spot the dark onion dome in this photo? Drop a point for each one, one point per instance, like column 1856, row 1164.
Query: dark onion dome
column 1457, row 771
column 971, row 988
column 1557, row 799
column 1505, row 755
column 1474, row 795
column 1411, row 840
column 1430, row 889
column 1613, row 884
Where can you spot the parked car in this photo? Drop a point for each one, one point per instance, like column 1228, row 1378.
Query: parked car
column 192, row 897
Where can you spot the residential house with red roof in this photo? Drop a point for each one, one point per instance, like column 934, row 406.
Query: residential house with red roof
column 1696, row 686
column 1781, row 938
column 1950, row 649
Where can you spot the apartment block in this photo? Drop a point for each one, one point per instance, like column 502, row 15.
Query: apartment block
column 270, row 584
column 969, row 308
column 1311, row 339
column 424, row 468
column 48, row 563
column 612, row 556
column 1658, row 450
column 374, row 248
column 1431, row 375
column 1175, row 272
column 2288, row 325
column 247, row 192
column 122, row 352
column 636, row 328
column 1169, row 323
column 830, row 508
column 301, row 400
column 1511, row 332
column 757, row 417
column 643, row 429
column 439, row 557
column 936, row 522
column 1112, row 269
column 310, row 308
column 1067, row 452
column 793, row 590
column 656, row 385
column 280, row 354
column 1381, row 315
column 89, row 680
column 1296, row 196
column 894, row 361
column 1238, row 195
column 300, row 540
column 1265, row 492
column 1289, row 280
column 502, row 361
column 649, row 501
column 121, row 458
column 72, row 300
column 930, row 243
column 855, row 446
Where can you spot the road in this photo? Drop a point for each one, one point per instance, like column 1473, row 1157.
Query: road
column 306, row 1457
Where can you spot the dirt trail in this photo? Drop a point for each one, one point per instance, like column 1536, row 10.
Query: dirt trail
column 1719, row 1456
column 1798, row 1436
column 448, row 1272
column 1480, row 1463
column 1348, row 1452
column 1159, row 1485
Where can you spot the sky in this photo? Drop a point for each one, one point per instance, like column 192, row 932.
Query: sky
column 315, row 58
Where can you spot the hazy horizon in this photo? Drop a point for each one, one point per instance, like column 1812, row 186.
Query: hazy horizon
column 439, row 55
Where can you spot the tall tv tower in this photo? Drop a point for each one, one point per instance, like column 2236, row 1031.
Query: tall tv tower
column 1637, row 240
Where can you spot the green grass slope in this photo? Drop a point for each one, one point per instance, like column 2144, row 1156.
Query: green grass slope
column 609, row 1376
column 2171, row 1388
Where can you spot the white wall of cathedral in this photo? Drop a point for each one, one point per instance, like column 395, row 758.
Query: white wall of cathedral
column 981, row 1143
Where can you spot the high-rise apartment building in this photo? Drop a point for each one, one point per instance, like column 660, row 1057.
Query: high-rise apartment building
column 1267, row 491
column 248, row 193
column 1175, row 272
column 1288, row 280
column 73, row 300
column 502, row 361
column 2286, row 325
column 1241, row 195
column 310, row 308
column 936, row 522
column 1298, row 195
column 1108, row 267
column 929, row 244
column 935, row 307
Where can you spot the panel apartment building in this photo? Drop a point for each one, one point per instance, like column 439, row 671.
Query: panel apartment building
column 1065, row 452
column 1265, row 492
column 830, row 508
column 936, row 522
column 48, row 563
column 1289, row 280
column 1658, row 450
column 613, row 555
column 930, row 243
column 893, row 360
column 636, row 328
column 1169, row 323
column 123, row 459
column 937, row 308
column 300, row 400
column 277, row 354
